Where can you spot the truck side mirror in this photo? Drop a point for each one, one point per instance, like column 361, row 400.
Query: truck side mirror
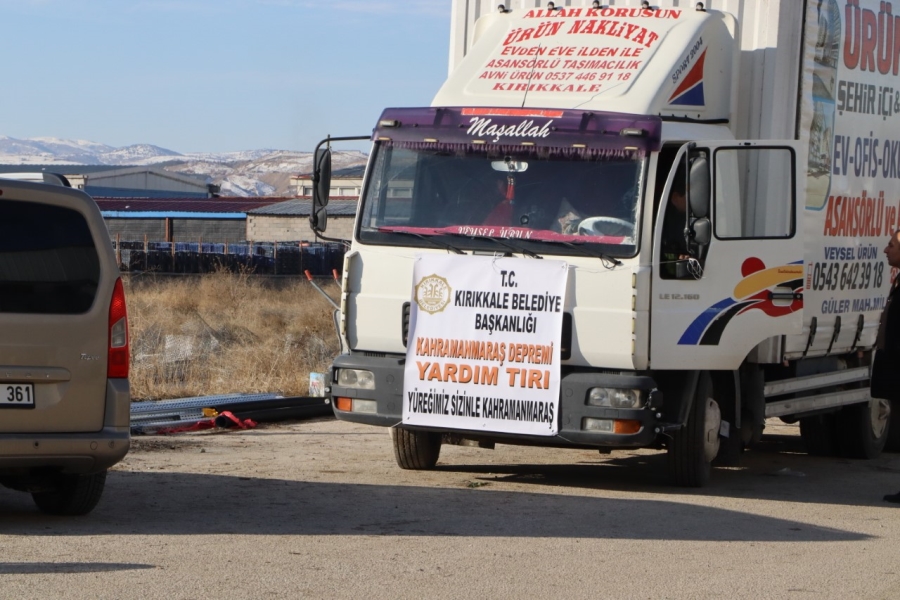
column 701, row 231
column 699, row 187
column 319, row 219
column 322, row 177
column 321, row 180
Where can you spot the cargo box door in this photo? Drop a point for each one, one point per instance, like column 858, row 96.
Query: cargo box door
column 727, row 255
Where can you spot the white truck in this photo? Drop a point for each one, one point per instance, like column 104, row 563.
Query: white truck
column 525, row 270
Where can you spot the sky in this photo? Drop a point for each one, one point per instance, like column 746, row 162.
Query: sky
column 216, row 75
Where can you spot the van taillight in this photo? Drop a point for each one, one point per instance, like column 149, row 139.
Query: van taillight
column 117, row 365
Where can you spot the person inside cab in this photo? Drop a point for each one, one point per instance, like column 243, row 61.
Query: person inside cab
column 674, row 246
column 504, row 196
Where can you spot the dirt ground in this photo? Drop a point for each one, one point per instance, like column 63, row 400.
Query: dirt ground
column 319, row 509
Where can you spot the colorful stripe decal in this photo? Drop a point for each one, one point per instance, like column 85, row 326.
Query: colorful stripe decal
column 751, row 293
column 695, row 330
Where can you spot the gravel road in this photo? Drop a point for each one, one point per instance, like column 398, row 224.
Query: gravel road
column 318, row 509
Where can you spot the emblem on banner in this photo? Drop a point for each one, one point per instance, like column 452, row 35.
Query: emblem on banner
column 433, row 294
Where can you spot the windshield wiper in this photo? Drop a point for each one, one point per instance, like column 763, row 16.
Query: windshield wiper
column 434, row 239
column 580, row 247
column 503, row 242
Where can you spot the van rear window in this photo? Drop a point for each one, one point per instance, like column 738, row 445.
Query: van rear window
column 48, row 262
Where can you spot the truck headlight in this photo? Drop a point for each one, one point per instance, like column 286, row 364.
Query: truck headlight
column 615, row 398
column 356, row 379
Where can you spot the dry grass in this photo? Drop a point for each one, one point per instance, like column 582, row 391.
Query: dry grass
column 226, row 333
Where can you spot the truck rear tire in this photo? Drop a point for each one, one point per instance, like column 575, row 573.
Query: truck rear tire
column 893, row 438
column 694, row 446
column 819, row 434
column 72, row 494
column 415, row 450
column 863, row 428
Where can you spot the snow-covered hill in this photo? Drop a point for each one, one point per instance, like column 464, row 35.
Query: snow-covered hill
column 137, row 154
column 242, row 173
column 50, row 150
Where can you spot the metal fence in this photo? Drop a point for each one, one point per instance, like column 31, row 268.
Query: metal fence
column 263, row 258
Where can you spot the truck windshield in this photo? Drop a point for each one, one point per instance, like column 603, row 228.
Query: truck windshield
column 534, row 196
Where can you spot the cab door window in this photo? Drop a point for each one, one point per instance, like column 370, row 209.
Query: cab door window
column 754, row 193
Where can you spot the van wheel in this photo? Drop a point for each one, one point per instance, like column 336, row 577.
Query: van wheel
column 694, row 446
column 819, row 434
column 416, row 450
column 73, row 494
column 863, row 428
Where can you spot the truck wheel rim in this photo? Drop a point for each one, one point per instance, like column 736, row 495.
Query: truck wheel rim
column 880, row 413
column 711, row 425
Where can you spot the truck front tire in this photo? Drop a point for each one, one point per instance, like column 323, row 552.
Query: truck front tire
column 694, row 446
column 415, row 450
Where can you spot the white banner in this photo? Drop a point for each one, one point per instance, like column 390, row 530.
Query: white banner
column 483, row 350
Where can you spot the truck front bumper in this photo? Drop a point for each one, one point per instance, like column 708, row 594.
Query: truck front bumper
column 575, row 414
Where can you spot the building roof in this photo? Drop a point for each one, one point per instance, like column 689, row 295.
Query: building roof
column 337, row 207
column 100, row 174
column 64, row 169
column 96, row 191
column 124, row 207
column 102, row 171
column 199, row 181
